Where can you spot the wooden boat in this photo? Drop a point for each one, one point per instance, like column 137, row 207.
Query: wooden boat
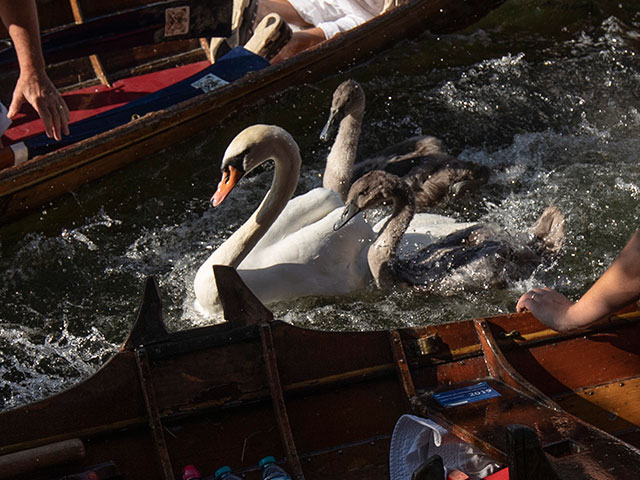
column 325, row 403
column 114, row 60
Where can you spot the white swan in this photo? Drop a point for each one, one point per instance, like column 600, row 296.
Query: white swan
column 490, row 255
column 284, row 253
column 421, row 161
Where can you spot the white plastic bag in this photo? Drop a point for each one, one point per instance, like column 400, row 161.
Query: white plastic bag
column 415, row 439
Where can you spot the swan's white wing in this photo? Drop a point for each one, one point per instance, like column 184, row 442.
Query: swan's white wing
column 287, row 281
column 299, row 212
column 316, row 241
column 315, row 260
column 424, row 229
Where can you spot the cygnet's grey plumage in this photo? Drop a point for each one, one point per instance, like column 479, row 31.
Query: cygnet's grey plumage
column 375, row 189
column 475, row 256
column 421, row 161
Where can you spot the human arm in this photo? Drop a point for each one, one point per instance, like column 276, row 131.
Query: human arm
column 300, row 40
column 303, row 39
column 617, row 287
column 33, row 84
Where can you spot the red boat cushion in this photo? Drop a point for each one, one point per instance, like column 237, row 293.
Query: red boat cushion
column 90, row 101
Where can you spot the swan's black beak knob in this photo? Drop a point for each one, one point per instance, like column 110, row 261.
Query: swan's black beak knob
column 230, row 177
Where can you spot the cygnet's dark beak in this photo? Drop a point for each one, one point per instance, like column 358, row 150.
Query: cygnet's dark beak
column 350, row 211
column 329, row 127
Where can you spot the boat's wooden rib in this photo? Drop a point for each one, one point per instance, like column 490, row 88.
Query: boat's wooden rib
column 48, row 176
column 279, row 407
column 149, row 325
column 500, row 369
column 153, row 414
column 404, row 372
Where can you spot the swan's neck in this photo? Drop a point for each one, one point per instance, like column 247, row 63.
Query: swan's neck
column 339, row 169
column 287, row 170
column 382, row 253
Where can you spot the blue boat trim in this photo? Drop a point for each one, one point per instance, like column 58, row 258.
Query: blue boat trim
column 232, row 66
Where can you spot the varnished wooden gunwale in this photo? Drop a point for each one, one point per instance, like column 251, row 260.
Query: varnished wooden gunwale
column 44, row 178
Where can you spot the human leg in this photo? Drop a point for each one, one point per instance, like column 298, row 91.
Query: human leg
column 300, row 40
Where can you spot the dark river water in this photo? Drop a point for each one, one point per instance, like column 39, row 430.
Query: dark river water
column 545, row 93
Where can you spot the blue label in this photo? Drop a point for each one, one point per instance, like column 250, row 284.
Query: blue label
column 462, row 396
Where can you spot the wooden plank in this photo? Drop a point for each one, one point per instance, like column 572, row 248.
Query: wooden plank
column 602, row 356
column 197, row 388
column 153, row 415
column 613, row 407
column 40, row 458
column 167, row 20
column 279, row 407
column 403, row 371
column 116, row 380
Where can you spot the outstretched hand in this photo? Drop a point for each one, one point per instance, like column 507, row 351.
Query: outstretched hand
column 548, row 306
column 616, row 288
column 37, row 89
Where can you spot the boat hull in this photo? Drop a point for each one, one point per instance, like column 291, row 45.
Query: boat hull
column 325, row 403
column 46, row 177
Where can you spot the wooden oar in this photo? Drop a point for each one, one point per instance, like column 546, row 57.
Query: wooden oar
column 41, row 458
column 99, row 70
column 163, row 21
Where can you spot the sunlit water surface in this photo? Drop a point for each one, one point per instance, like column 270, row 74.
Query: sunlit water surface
column 548, row 98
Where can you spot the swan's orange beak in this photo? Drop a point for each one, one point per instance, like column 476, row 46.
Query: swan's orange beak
column 230, row 177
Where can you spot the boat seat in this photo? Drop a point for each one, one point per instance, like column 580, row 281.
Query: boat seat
column 481, row 411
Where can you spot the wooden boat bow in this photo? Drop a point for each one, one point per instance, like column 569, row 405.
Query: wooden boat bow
column 325, row 403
